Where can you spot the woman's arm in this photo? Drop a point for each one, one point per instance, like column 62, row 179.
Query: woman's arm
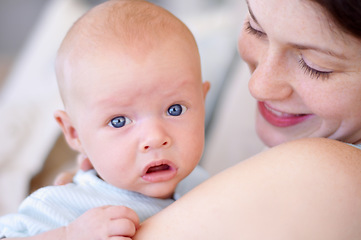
column 306, row 189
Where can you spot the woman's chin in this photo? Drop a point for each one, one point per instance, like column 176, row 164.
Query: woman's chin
column 271, row 141
column 272, row 136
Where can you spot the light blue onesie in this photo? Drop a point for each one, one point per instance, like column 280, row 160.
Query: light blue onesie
column 56, row 206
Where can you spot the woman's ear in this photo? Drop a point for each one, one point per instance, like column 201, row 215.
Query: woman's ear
column 70, row 133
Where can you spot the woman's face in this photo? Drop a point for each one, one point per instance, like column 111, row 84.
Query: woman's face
column 306, row 73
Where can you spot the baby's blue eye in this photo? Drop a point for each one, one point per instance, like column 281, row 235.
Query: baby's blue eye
column 176, row 110
column 119, row 122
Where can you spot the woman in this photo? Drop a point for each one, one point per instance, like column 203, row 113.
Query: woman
column 305, row 59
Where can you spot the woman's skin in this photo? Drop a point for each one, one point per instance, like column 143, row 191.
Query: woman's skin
column 304, row 189
column 306, row 76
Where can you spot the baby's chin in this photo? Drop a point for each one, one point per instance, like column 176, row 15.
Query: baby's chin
column 161, row 193
column 159, row 190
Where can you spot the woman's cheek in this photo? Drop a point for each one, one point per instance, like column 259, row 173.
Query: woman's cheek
column 248, row 50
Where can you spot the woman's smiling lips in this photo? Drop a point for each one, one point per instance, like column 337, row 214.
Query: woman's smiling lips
column 159, row 171
column 278, row 118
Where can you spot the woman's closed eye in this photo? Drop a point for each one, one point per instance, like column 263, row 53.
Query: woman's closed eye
column 313, row 73
column 119, row 122
column 253, row 31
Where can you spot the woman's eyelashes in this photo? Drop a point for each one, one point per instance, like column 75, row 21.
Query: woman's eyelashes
column 176, row 110
column 313, row 73
column 253, row 31
column 119, row 122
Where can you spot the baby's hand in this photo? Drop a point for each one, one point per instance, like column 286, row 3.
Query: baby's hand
column 83, row 163
column 108, row 222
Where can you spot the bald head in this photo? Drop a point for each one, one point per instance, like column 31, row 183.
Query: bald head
column 134, row 27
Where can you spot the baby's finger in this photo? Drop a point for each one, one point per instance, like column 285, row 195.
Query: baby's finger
column 121, row 227
column 64, row 178
column 119, row 212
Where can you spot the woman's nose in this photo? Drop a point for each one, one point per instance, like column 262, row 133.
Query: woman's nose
column 270, row 79
column 153, row 137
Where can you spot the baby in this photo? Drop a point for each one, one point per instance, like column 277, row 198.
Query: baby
column 129, row 76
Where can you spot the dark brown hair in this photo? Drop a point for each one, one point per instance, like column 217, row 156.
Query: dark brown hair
column 345, row 13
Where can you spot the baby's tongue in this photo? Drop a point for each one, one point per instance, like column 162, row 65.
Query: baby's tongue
column 162, row 167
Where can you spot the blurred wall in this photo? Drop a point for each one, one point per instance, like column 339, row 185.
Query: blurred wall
column 17, row 18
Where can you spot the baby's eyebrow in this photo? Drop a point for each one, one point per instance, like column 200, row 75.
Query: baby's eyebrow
column 251, row 13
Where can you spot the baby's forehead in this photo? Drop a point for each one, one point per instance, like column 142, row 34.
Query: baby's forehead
column 94, row 32
column 128, row 22
column 112, row 28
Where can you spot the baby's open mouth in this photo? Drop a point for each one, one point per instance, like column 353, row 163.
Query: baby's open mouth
column 162, row 167
column 159, row 171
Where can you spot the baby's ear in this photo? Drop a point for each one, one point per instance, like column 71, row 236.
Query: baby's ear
column 206, row 87
column 70, row 133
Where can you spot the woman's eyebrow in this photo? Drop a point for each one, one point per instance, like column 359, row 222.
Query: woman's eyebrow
column 251, row 13
column 318, row 49
column 299, row 46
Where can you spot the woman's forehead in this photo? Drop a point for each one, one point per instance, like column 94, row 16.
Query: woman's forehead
column 302, row 23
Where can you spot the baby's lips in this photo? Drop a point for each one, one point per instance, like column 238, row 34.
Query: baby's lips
column 159, row 165
column 158, row 171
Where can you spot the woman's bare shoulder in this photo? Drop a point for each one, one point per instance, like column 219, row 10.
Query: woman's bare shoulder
column 319, row 151
column 304, row 189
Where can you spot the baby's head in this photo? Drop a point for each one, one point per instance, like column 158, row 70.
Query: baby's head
column 130, row 79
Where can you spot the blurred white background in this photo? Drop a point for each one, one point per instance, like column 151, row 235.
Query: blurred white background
column 32, row 149
column 17, row 18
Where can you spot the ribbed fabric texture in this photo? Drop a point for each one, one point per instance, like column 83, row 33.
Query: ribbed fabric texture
column 55, row 206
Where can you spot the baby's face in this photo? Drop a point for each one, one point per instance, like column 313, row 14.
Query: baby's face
column 141, row 120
